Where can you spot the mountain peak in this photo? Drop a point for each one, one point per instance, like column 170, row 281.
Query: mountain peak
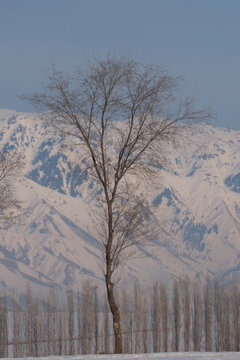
column 196, row 201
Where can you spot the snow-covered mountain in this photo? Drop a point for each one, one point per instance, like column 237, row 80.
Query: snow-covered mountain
column 196, row 202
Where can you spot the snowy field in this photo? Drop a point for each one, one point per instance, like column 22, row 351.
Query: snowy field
column 168, row 356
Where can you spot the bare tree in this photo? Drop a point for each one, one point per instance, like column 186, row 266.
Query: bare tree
column 70, row 308
column 79, row 322
column 16, row 325
column 226, row 318
column 96, row 317
column 122, row 114
column 29, row 320
column 176, row 312
column 164, row 301
column 64, row 329
column 235, row 316
column 85, row 315
column 222, row 321
column 196, row 316
column 144, row 323
column 51, row 323
column 106, row 337
column 155, row 315
column 126, row 316
column 138, row 309
column 60, row 326
column 10, row 166
column 3, row 327
column 208, row 314
column 217, row 313
column 37, row 327
column 89, row 317
column 186, row 299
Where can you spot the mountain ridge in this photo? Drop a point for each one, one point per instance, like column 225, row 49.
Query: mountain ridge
column 196, row 203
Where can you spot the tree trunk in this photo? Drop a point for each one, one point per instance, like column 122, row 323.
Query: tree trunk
column 164, row 301
column 118, row 349
column 175, row 317
column 186, row 313
column 235, row 317
column 115, row 313
column 208, row 315
column 196, row 316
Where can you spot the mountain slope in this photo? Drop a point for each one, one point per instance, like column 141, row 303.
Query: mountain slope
column 196, row 204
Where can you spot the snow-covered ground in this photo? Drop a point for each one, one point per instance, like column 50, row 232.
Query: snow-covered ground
column 169, row 356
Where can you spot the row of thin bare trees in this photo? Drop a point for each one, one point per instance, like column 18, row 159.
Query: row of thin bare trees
column 187, row 316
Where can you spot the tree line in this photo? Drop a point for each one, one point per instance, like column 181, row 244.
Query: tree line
column 186, row 316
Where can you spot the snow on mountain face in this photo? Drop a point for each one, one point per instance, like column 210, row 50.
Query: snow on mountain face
column 196, row 203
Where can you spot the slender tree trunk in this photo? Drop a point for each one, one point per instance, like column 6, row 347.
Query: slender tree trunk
column 196, row 316
column 96, row 318
column 105, row 345
column 16, row 326
column 70, row 308
column 115, row 313
column 110, row 286
column 65, row 328
column 144, row 324
column 29, row 320
column 175, row 317
column 36, row 330
column 51, row 330
column 3, row 328
column 125, row 311
column 155, row 315
column 235, row 317
column 164, row 302
column 221, row 307
column 208, row 315
column 217, row 315
column 137, row 310
column 86, row 308
column 226, row 311
column 60, row 332
column 186, row 312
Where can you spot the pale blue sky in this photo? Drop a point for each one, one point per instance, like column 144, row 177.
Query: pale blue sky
column 199, row 39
